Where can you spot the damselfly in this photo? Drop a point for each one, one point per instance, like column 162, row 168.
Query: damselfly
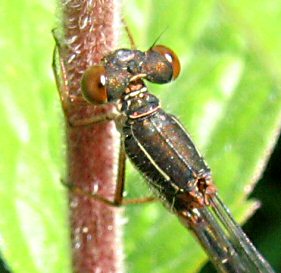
column 159, row 147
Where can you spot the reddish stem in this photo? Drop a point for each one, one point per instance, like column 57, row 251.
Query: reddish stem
column 90, row 31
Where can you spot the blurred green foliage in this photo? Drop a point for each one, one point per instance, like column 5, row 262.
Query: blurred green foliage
column 228, row 97
column 33, row 207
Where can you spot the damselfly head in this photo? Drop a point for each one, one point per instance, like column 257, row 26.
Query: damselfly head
column 123, row 67
column 108, row 81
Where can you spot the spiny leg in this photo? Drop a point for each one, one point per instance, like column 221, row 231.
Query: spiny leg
column 113, row 114
column 124, row 202
column 118, row 195
column 60, row 74
column 66, row 99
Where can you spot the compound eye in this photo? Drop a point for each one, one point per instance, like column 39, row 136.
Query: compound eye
column 170, row 56
column 93, row 85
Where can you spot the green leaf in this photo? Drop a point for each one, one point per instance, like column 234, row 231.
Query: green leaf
column 227, row 96
column 33, row 224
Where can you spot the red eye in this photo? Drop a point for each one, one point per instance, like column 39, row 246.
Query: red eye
column 170, row 56
column 93, row 85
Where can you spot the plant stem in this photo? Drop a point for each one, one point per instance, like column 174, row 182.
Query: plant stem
column 90, row 31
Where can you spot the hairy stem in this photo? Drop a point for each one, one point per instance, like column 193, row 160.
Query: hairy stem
column 90, row 30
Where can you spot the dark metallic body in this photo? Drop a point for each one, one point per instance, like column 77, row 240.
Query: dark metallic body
column 154, row 141
column 166, row 156
column 162, row 151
